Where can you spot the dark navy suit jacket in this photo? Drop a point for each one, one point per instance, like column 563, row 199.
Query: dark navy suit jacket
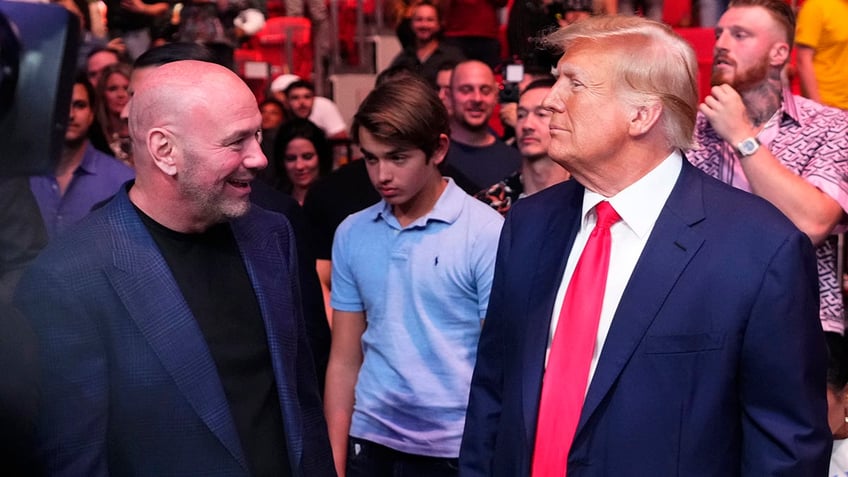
column 129, row 386
column 714, row 364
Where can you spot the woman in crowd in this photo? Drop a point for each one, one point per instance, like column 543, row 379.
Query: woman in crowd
column 427, row 52
column 303, row 154
column 112, row 97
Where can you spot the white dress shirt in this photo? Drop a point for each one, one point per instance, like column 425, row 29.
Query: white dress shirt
column 639, row 205
column 839, row 459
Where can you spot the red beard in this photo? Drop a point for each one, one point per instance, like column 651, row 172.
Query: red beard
column 742, row 79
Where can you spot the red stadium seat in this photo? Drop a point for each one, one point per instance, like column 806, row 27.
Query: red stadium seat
column 677, row 13
column 271, row 43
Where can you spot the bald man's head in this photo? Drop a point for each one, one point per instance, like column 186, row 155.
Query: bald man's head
column 176, row 89
column 195, row 128
column 473, row 95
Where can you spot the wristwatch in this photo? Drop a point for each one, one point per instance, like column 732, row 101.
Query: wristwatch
column 748, row 147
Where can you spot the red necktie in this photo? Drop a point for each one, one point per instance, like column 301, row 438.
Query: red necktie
column 567, row 373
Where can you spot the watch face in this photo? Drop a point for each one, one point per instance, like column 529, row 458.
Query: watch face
column 749, row 146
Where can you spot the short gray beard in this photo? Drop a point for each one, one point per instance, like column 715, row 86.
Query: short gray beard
column 213, row 209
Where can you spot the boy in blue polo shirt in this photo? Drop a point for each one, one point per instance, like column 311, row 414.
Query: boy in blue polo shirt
column 410, row 286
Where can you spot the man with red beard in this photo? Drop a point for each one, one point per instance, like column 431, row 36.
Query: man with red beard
column 476, row 158
column 755, row 135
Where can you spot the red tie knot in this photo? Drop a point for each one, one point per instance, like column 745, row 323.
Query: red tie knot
column 606, row 215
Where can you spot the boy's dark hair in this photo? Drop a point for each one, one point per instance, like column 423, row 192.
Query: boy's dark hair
column 393, row 72
column 405, row 112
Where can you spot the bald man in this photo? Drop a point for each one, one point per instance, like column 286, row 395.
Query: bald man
column 476, row 158
column 169, row 320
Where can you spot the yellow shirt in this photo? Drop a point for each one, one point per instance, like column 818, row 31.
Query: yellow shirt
column 823, row 26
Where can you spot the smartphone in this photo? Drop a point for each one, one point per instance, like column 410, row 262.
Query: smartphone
column 514, row 73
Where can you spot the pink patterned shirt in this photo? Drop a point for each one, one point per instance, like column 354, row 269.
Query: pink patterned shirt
column 811, row 140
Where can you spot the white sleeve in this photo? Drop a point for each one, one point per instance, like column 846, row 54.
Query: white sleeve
column 326, row 115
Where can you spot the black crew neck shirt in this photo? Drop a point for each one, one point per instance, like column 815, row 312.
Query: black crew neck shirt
column 211, row 275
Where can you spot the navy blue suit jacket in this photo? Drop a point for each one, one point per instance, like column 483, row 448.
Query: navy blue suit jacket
column 129, row 386
column 714, row 364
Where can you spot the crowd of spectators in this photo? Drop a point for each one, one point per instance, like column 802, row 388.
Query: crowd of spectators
column 750, row 132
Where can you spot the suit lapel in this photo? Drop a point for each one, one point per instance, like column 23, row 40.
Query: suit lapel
column 556, row 241
column 670, row 248
column 263, row 248
column 153, row 300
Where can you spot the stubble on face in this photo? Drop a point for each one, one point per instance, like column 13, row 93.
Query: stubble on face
column 743, row 79
column 760, row 86
column 211, row 203
column 473, row 96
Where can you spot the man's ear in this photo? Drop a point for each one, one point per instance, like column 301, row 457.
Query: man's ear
column 442, row 149
column 643, row 118
column 162, row 149
column 779, row 54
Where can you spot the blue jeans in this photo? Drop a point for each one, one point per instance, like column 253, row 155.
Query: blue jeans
column 367, row 459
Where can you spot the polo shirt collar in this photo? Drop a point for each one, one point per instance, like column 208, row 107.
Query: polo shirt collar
column 447, row 208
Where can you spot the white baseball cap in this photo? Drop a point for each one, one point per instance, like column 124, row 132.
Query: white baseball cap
column 250, row 21
column 282, row 82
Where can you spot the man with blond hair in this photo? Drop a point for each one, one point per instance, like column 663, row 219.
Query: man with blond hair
column 645, row 319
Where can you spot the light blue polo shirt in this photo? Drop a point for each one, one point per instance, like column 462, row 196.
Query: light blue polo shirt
column 424, row 290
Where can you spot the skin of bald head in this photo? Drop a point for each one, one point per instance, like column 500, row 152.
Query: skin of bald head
column 195, row 128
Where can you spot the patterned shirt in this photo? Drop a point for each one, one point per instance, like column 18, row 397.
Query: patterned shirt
column 811, row 140
column 502, row 195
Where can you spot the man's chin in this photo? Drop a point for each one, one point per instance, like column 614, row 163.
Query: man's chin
column 235, row 209
column 720, row 78
column 477, row 126
column 394, row 199
column 75, row 142
column 534, row 156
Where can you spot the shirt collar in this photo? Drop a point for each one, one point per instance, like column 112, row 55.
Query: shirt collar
column 447, row 208
column 89, row 160
column 640, row 203
column 788, row 107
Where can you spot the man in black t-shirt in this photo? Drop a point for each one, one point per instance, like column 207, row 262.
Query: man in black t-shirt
column 170, row 322
column 476, row 158
column 345, row 191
